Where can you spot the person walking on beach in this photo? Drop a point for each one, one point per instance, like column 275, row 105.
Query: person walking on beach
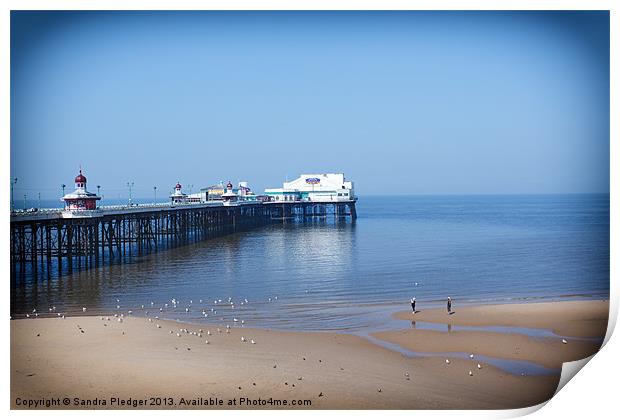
column 413, row 305
column 449, row 305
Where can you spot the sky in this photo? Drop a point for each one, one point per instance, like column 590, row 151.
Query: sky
column 401, row 102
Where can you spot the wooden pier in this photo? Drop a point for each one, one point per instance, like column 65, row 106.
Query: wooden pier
column 62, row 241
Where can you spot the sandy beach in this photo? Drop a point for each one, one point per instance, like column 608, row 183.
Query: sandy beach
column 86, row 358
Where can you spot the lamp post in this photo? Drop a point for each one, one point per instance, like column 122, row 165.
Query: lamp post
column 130, row 185
column 13, row 182
column 98, row 188
column 39, row 194
column 24, row 202
column 155, row 193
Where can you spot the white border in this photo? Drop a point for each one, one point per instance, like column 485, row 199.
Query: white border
column 592, row 394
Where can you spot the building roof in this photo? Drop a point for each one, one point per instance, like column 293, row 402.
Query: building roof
column 80, row 194
column 80, row 177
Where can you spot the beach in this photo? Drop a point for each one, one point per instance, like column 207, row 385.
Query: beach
column 91, row 360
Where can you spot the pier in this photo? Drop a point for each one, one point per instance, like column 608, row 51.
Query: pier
column 64, row 240
column 84, row 235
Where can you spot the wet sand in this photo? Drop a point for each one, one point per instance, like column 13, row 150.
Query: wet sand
column 570, row 320
column 86, row 357
column 577, row 318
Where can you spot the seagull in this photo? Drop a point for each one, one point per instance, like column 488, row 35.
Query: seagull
column 219, row 330
column 479, row 367
column 206, row 341
column 208, row 332
column 471, row 356
column 178, row 335
column 158, row 326
column 171, row 332
column 470, row 373
column 120, row 320
column 448, row 361
column 235, row 320
column 150, row 320
column 564, row 341
column 83, row 309
column 242, row 321
column 243, row 339
column 227, row 331
column 407, row 374
column 130, row 312
column 252, row 341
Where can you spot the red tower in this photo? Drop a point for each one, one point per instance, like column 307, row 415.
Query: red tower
column 80, row 199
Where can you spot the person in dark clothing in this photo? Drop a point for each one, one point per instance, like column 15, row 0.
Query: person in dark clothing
column 449, row 305
column 413, row 305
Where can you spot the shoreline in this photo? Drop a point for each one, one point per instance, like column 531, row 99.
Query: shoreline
column 88, row 357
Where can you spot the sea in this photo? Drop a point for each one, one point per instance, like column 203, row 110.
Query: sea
column 331, row 275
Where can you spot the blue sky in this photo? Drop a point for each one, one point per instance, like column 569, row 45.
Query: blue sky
column 401, row 102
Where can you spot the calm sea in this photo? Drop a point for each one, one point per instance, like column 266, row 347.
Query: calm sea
column 331, row 275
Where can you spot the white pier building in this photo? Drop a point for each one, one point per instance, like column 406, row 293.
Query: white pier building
column 321, row 188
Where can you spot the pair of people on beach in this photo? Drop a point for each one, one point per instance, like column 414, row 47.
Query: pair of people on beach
column 449, row 305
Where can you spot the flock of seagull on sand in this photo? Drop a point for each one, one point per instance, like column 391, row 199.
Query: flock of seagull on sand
column 226, row 304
